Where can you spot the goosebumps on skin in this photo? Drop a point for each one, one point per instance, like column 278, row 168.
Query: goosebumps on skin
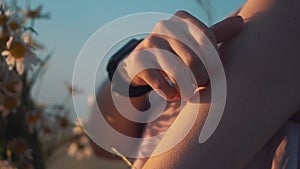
column 262, row 69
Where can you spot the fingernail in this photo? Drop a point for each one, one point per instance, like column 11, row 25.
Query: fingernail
column 240, row 18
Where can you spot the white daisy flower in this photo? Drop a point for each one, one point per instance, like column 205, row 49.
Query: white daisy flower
column 11, row 19
column 36, row 13
column 19, row 55
column 5, row 10
column 15, row 22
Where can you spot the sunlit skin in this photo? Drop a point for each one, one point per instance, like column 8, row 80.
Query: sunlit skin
column 117, row 121
column 256, row 108
column 263, row 91
column 155, row 78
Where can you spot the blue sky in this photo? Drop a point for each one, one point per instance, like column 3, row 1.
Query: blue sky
column 73, row 22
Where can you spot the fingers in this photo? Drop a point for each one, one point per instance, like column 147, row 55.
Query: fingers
column 220, row 32
column 156, row 80
column 185, row 16
column 227, row 28
column 191, row 60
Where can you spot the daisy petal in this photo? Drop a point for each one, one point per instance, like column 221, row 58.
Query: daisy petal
column 20, row 66
column 5, row 53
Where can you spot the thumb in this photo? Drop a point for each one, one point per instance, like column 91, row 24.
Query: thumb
column 227, row 28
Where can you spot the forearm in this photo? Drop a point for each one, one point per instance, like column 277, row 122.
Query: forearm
column 114, row 118
column 262, row 70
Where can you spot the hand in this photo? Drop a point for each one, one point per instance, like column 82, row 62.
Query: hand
column 159, row 45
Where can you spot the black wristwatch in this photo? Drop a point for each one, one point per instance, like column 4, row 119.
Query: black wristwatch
column 134, row 91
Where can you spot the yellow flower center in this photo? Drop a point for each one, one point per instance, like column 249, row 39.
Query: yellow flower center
column 18, row 50
column 33, row 14
column 3, row 19
column 14, row 25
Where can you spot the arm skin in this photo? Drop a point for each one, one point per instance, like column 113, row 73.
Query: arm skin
column 262, row 69
column 115, row 119
column 220, row 32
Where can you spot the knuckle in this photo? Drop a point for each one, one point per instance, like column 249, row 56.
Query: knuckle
column 133, row 58
column 181, row 13
column 160, row 25
column 156, row 84
column 149, row 41
column 189, row 59
column 154, row 41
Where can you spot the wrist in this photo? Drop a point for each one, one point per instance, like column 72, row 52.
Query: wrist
column 119, row 83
